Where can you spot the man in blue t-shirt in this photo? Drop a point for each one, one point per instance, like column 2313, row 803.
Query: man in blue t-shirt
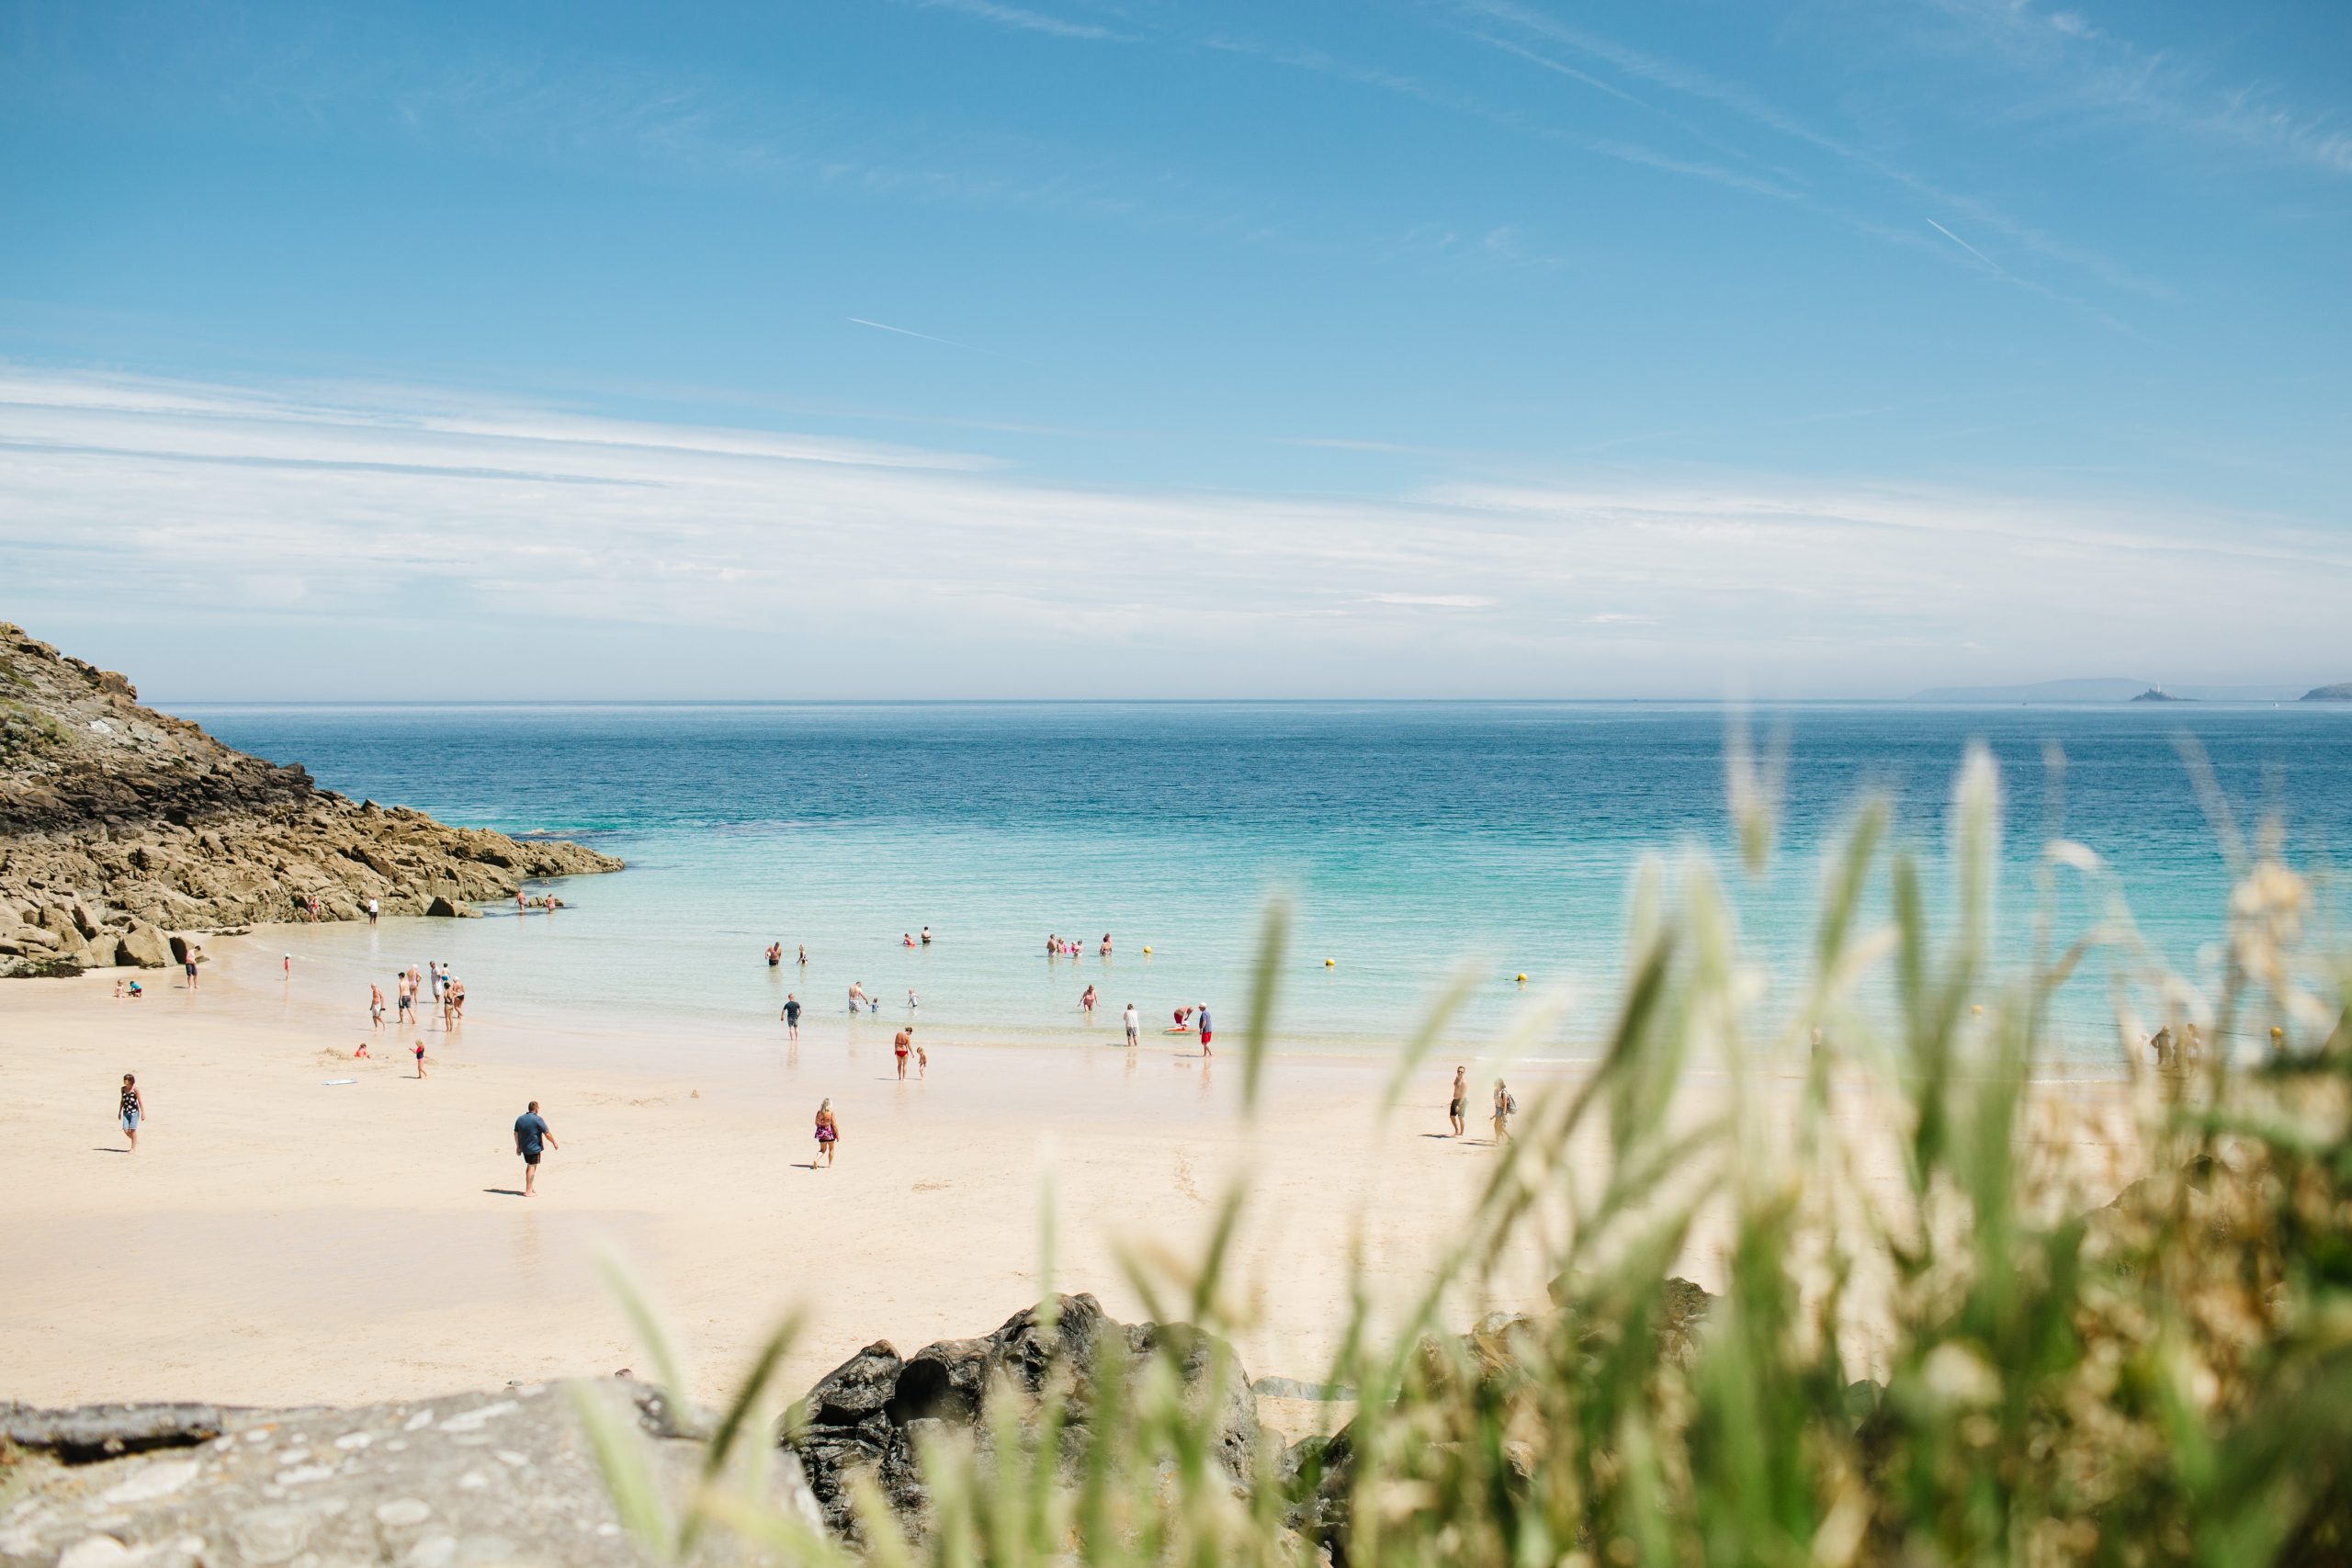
column 531, row 1138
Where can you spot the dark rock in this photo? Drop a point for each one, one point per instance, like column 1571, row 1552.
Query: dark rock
column 113, row 815
column 873, row 1412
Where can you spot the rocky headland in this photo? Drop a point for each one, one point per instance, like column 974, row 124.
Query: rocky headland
column 123, row 830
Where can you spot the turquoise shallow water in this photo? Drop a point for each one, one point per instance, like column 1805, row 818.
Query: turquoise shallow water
column 1411, row 837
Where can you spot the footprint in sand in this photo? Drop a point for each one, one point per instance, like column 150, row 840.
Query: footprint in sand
column 1184, row 1179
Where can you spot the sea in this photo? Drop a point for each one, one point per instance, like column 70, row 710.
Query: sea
column 1410, row 842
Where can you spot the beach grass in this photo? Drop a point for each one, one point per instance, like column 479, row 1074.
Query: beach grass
column 1986, row 1359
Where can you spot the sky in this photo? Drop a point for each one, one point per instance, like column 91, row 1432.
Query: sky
column 1148, row 348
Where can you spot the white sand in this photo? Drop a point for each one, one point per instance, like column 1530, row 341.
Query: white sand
column 277, row 1240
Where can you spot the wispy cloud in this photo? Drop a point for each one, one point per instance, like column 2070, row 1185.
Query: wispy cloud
column 1022, row 19
column 906, row 332
column 1744, row 103
column 2081, row 69
column 867, row 568
column 1964, row 245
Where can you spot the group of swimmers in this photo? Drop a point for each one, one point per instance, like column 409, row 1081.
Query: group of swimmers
column 1058, row 946
column 525, row 903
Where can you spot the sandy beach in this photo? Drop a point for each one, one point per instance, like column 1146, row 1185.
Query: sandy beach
column 280, row 1239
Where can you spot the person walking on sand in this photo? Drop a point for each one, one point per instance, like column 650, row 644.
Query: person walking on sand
column 132, row 1111
column 406, row 989
column 1461, row 1099
column 899, row 1047
column 829, row 1134
column 1204, row 1030
column 791, row 1016
column 420, row 1059
column 922, row 1062
column 375, row 1006
column 1135, row 1024
column 188, row 963
column 289, row 966
column 1505, row 1109
column 532, row 1138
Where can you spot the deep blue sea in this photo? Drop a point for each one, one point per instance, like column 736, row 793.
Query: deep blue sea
column 1411, row 838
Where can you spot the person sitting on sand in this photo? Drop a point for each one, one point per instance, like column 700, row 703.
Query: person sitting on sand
column 131, row 1109
column 361, row 1055
column 137, row 990
column 829, row 1134
column 1505, row 1109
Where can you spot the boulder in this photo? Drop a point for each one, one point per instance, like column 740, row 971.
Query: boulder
column 871, row 1413
column 143, row 946
column 481, row 1478
column 444, row 907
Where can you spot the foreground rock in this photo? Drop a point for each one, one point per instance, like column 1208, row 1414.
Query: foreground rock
column 120, row 825
column 482, row 1478
column 872, row 1412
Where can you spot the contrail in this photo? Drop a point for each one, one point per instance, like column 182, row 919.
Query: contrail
column 1964, row 245
column 904, row 332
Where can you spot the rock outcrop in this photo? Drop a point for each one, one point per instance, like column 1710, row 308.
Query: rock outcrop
column 475, row 1479
column 871, row 1413
column 121, row 825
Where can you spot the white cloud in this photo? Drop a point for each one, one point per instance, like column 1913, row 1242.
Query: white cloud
column 681, row 560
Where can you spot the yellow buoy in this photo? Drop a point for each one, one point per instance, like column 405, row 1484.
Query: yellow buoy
column 1978, row 1008
column 2277, row 1032
column 1147, row 950
column 1330, row 964
column 1523, row 976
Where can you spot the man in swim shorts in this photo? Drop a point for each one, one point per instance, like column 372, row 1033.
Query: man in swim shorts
column 531, row 1140
column 1204, row 1030
column 1134, row 1023
column 791, row 1016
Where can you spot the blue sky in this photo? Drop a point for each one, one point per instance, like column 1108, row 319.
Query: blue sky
column 1125, row 347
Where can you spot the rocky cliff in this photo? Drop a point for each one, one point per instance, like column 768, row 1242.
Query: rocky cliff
column 121, row 826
